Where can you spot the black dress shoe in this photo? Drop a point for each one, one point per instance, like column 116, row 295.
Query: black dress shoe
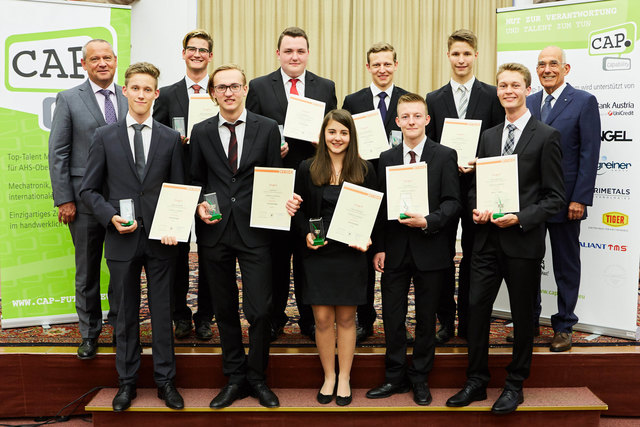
column 183, row 328
column 443, row 335
column 470, row 393
column 87, row 349
column 265, row 396
column 343, row 400
column 388, row 389
column 229, row 394
column 122, row 401
column 508, row 402
column 362, row 333
column 421, row 394
column 171, row 396
column 203, row 330
column 323, row 399
column 276, row 331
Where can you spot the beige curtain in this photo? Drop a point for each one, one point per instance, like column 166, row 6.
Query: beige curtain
column 341, row 31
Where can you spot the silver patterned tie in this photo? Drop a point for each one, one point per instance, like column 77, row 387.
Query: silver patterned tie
column 510, row 144
column 463, row 102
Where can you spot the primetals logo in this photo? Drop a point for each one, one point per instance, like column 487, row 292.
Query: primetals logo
column 618, row 40
column 615, row 219
column 48, row 61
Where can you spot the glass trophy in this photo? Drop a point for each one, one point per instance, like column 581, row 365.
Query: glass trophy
column 127, row 211
column 177, row 123
column 405, row 199
column 499, row 214
column 317, row 229
column 395, row 138
column 214, row 207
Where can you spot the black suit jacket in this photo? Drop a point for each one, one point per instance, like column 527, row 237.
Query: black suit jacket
column 210, row 169
column 541, row 188
column 362, row 101
column 111, row 164
column 267, row 97
column 483, row 105
column 429, row 249
column 174, row 102
column 312, row 195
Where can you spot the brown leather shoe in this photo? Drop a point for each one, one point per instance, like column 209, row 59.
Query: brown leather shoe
column 561, row 341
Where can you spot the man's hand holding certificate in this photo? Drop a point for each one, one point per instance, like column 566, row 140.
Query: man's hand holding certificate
column 372, row 139
column 497, row 189
column 272, row 189
column 304, row 118
column 354, row 216
column 407, row 190
column 174, row 212
column 462, row 135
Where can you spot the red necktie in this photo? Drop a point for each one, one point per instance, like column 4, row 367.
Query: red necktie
column 196, row 88
column 294, row 89
column 233, row 146
column 413, row 157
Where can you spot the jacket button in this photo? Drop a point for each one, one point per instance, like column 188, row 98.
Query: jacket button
column 233, row 199
column 233, row 180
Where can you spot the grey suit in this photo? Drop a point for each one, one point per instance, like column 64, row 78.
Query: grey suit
column 75, row 119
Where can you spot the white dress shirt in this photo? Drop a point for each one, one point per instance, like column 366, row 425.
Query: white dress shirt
column 299, row 84
column 376, row 95
column 520, row 124
column 406, row 157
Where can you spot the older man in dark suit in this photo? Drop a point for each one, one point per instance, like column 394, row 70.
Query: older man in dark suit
column 464, row 97
column 131, row 159
column 173, row 102
column 575, row 114
column 381, row 94
column 511, row 247
column 79, row 112
column 269, row 96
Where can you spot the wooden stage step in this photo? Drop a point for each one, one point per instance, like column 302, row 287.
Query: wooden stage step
column 542, row 407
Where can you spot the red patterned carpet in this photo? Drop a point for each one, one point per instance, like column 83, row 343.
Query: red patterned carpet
column 67, row 334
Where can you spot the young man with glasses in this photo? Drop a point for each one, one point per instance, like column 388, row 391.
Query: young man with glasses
column 173, row 102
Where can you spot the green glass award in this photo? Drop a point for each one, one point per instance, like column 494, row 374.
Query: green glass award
column 405, row 199
column 214, row 207
column 127, row 211
column 500, row 206
column 317, row 229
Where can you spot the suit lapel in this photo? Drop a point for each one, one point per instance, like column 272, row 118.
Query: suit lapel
column 182, row 96
column 391, row 111
column 427, row 152
column 214, row 138
column 494, row 142
column 525, row 138
column 89, row 99
column 565, row 98
column 534, row 105
column 278, row 89
column 250, row 133
column 474, row 99
column 153, row 148
column 123, row 136
column 123, row 103
column 449, row 102
column 310, row 86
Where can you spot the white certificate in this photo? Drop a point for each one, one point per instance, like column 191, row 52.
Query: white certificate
column 407, row 190
column 355, row 214
column 497, row 184
column 462, row 135
column 272, row 187
column 372, row 138
column 174, row 211
column 304, row 118
column 201, row 107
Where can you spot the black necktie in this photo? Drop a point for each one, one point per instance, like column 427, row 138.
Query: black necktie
column 233, row 146
column 382, row 106
column 138, row 149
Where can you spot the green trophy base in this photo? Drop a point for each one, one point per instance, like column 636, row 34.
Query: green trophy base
column 497, row 215
column 318, row 242
column 215, row 216
column 126, row 224
column 403, row 216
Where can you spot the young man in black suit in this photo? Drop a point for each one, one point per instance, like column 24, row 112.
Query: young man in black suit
column 269, row 96
column 416, row 247
column 131, row 159
column 225, row 150
column 197, row 52
column 511, row 247
column 382, row 62
column 464, row 97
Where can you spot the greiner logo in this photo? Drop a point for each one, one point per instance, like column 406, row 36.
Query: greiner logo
column 606, row 165
column 615, row 219
column 618, row 39
column 48, row 61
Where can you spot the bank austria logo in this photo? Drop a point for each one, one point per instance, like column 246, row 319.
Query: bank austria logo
column 615, row 219
column 615, row 136
column 605, row 165
column 601, row 246
column 48, row 61
column 616, row 108
column 617, row 40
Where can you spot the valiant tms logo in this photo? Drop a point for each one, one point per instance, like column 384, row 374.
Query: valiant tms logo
column 605, row 165
column 617, row 40
column 603, row 246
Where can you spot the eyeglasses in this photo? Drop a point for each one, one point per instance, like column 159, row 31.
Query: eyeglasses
column 192, row 50
column 554, row 65
column 235, row 88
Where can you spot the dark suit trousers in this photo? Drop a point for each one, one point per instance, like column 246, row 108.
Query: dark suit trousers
column 367, row 312
column 565, row 251
column 219, row 264
column 284, row 245
column 522, row 276
column 395, row 288
column 88, row 237
column 125, row 279
column 181, row 310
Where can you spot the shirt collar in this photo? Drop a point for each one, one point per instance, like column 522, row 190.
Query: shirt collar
column 417, row 149
column 148, row 122
column 468, row 85
column 556, row 93
column 376, row 90
column 521, row 122
column 286, row 78
column 96, row 88
column 222, row 120
column 202, row 83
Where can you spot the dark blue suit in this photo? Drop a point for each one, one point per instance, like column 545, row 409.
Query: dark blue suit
column 575, row 115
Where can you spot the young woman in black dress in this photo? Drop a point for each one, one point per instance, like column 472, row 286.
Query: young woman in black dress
column 335, row 273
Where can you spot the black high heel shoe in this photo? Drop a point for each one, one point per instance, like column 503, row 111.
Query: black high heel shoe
column 326, row 398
